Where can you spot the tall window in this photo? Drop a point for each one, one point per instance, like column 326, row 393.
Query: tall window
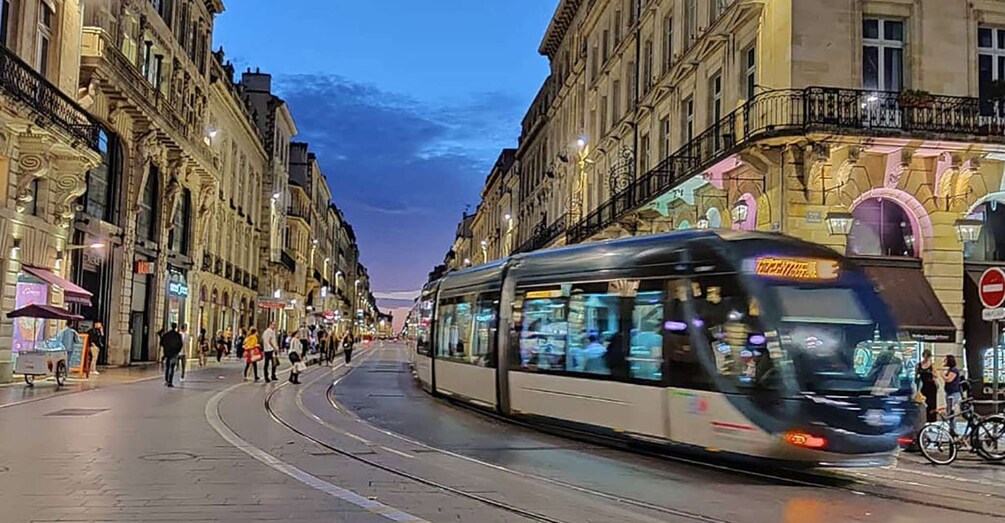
column 664, row 145
column 603, row 115
column 718, row 7
column 5, row 18
column 644, row 154
column 990, row 62
column 750, row 72
column 667, row 43
column 715, row 99
column 178, row 239
column 102, row 180
column 617, row 27
column 882, row 54
column 45, row 20
column 616, row 101
column 606, row 44
column 690, row 23
column 633, row 12
column 688, row 119
column 146, row 224
column 594, row 63
column 33, row 206
column 632, row 91
column 647, row 69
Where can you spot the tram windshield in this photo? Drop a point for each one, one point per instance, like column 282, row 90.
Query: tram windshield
column 834, row 327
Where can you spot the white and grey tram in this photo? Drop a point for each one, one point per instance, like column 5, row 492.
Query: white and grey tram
column 746, row 343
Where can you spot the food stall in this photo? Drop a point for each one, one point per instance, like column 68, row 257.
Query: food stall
column 44, row 358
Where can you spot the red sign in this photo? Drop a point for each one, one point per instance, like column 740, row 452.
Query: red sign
column 992, row 288
column 144, row 267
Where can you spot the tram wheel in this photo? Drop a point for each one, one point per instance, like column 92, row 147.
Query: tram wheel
column 937, row 444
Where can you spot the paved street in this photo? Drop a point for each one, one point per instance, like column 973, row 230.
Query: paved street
column 368, row 445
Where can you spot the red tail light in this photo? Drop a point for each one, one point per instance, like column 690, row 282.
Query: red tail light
column 905, row 441
column 803, row 439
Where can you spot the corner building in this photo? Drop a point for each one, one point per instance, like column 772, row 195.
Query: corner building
column 876, row 127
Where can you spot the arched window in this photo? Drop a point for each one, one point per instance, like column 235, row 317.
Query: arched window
column 881, row 228
column 990, row 245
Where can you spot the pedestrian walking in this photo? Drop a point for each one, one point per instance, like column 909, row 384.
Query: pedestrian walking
column 221, row 345
column 347, row 346
column 96, row 338
column 171, row 347
column 185, row 341
column 331, row 347
column 203, row 347
column 928, row 388
column 239, row 344
column 952, row 378
column 296, row 359
column 252, row 351
column 270, row 345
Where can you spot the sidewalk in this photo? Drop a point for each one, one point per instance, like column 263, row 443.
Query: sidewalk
column 18, row 392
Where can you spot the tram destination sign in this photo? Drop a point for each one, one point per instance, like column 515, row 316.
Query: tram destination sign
column 992, row 288
column 796, row 268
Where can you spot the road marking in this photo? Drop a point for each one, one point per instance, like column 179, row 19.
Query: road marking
column 358, row 438
column 398, row 452
column 216, row 421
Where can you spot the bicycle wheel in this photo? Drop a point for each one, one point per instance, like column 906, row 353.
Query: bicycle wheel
column 937, row 444
column 990, row 438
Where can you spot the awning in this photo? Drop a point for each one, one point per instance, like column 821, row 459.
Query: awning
column 43, row 312
column 913, row 302
column 71, row 292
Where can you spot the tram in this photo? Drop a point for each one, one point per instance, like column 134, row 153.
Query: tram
column 721, row 341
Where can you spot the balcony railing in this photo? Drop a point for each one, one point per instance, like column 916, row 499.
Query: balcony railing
column 24, row 83
column 796, row 112
column 545, row 234
column 297, row 213
column 207, row 262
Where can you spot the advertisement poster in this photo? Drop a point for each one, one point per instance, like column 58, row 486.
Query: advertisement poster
column 28, row 294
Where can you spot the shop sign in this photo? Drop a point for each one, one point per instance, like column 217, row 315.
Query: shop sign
column 271, row 303
column 178, row 289
column 143, row 267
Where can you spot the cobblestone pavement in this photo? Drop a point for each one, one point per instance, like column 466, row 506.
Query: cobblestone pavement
column 125, row 448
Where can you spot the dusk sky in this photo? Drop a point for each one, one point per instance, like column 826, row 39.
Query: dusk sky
column 406, row 103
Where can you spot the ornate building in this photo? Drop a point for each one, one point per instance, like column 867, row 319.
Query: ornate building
column 145, row 68
column 48, row 143
column 882, row 137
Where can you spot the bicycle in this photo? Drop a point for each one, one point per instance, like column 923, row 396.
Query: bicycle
column 940, row 442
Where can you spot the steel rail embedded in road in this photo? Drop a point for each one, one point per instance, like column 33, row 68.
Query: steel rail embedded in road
column 407, row 475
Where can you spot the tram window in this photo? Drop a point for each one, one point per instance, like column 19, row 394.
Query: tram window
column 446, row 330
column 685, row 368
column 422, row 341
column 486, row 322
column 728, row 319
column 544, row 332
column 595, row 343
column 645, row 359
column 461, row 346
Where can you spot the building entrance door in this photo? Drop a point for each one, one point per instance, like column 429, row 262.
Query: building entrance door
column 140, row 348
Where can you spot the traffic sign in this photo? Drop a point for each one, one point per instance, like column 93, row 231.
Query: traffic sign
column 992, row 288
column 997, row 313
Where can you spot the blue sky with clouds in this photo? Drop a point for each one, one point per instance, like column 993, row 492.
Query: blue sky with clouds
column 406, row 103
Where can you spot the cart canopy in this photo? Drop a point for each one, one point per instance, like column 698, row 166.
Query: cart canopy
column 43, row 312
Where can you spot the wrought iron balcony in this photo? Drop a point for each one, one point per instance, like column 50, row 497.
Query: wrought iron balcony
column 544, row 234
column 228, row 270
column 207, row 262
column 794, row 112
column 24, row 83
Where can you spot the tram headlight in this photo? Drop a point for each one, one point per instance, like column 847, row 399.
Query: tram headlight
column 804, row 439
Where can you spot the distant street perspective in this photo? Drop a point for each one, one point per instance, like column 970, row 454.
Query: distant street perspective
column 558, row 261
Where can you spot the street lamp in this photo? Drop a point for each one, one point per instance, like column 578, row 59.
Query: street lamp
column 96, row 245
column 702, row 223
column 968, row 229
column 839, row 223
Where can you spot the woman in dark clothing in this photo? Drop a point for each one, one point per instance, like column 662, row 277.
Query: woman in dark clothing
column 347, row 344
column 925, row 376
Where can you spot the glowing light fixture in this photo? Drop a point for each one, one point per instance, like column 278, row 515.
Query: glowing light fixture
column 740, row 212
column 839, row 222
column 968, row 229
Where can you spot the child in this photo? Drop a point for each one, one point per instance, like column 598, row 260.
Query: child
column 295, row 359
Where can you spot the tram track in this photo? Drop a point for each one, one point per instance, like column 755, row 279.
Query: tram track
column 500, row 505
column 792, row 477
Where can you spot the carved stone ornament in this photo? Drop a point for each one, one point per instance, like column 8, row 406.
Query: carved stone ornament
column 31, row 166
column 67, row 186
column 172, row 195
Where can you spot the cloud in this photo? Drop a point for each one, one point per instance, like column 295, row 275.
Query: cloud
column 402, row 169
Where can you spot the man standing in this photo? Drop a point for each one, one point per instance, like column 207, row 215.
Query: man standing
column 185, row 339
column 171, row 344
column 96, row 338
column 270, row 345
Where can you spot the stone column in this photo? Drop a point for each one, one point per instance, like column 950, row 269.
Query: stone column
column 943, row 266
